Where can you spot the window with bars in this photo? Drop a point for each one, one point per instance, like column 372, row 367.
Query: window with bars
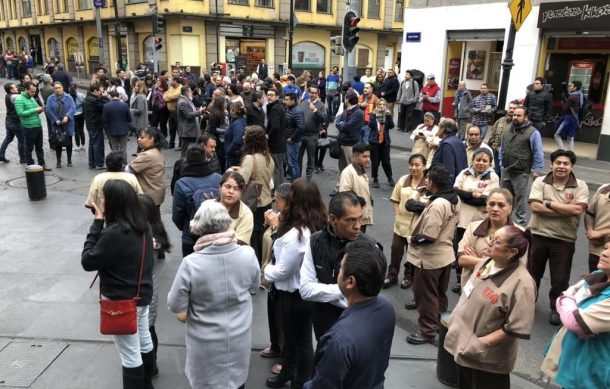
column 399, row 11
column 239, row 2
column 302, row 5
column 373, row 11
column 324, row 6
column 264, row 3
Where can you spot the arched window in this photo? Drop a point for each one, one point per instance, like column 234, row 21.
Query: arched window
column 148, row 49
column 23, row 43
column 10, row 44
column 71, row 48
column 93, row 54
column 309, row 55
column 53, row 47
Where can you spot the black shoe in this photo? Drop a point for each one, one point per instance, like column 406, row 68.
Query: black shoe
column 411, row 305
column 554, row 318
column 391, row 182
column 316, row 171
column 375, row 184
column 457, row 288
column 321, row 167
column 46, row 168
column 148, row 360
column 69, row 164
column 418, row 338
column 334, row 192
column 58, row 165
column 4, row 160
column 389, row 281
column 278, row 381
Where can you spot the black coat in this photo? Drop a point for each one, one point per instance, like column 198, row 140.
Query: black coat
column 93, row 107
column 255, row 116
column 63, row 77
column 276, row 123
column 116, row 117
column 390, row 87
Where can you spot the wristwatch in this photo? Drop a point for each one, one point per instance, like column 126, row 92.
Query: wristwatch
column 548, row 204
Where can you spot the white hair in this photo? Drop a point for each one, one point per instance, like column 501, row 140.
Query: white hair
column 212, row 217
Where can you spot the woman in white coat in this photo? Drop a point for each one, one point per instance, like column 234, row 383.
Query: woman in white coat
column 214, row 284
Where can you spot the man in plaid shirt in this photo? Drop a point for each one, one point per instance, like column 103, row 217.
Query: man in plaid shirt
column 483, row 108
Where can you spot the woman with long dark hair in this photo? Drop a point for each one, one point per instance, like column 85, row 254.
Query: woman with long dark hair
column 305, row 214
column 217, row 124
column 119, row 251
column 234, row 136
column 149, row 165
column 161, row 244
column 257, row 165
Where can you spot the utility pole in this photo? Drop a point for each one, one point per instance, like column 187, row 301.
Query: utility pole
column 98, row 24
column 507, row 65
column 349, row 62
column 117, row 34
column 290, row 34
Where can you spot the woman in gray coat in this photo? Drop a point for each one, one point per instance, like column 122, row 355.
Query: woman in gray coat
column 214, row 284
column 139, row 107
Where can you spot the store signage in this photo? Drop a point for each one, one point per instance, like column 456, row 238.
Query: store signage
column 413, row 37
column 99, row 3
column 575, row 15
column 308, row 55
column 187, row 28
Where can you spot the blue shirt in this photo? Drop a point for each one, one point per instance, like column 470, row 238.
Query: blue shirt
column 355, row 351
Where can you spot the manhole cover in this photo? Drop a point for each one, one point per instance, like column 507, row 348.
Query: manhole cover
column 20, row 182
column 22, row 363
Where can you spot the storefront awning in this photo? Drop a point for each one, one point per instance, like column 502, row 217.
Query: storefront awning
column 475, row 35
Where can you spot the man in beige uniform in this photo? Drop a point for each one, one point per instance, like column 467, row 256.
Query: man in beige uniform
column 354, row 178
column 431, row 252
column 557, row 200
column 597, row 224
column 171, row 97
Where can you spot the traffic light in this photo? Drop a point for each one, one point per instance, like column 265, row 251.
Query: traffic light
column 350, row 30
column 335, row 45
column 158, row 44
column 158, row 22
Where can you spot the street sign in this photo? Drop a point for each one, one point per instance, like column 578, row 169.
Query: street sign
column 99, row 3
column 519, row 9
column 413, row 37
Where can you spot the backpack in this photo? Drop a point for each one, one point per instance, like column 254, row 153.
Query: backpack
column 200, row 194
column 585, row 109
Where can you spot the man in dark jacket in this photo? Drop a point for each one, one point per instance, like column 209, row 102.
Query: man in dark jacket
column 93, row 107
column 276, row 122
column 322, row 260
column 349, row 125
column 295, row 125
column 255, row 116
column 315, row 117
column 117, row 117
column 538, row 102
column 189, row 119
column 61, row 76
column 451, row 152
column 389, row 89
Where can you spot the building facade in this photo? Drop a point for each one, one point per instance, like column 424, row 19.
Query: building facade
column 235, row 33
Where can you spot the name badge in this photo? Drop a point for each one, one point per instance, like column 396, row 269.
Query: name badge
column 467, row 290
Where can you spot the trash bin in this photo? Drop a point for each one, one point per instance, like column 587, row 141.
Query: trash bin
column 34, row 178
column 446, row 368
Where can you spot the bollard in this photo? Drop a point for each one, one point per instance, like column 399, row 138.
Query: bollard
column 34, row 177
column 446, row 368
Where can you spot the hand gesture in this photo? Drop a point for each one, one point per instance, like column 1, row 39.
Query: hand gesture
column 99, row 210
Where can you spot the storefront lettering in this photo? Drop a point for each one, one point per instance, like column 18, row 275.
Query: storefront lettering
column 594, row 12
column 592, row 120
column 585, row 12
column 565, row 12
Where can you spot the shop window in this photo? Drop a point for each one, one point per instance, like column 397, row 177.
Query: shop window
column 399, row 11
column 363, row 58
column 373, row 11
column 324, row 6
column 264, row 3
column 239, row 2
column 302, row 5
column 27, row 8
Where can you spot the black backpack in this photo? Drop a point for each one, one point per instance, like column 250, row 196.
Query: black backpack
column 585, row 109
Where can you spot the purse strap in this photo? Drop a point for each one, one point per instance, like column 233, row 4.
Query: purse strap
column 253, row 167
column 139, row 276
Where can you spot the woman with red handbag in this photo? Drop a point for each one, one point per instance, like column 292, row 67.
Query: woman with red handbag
column 121, row 251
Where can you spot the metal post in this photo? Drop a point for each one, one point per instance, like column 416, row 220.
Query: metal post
column 117, row 34
column 100, row 43
column 217, row 33
column 290, row 35
column 349, row 63
column 507, row 65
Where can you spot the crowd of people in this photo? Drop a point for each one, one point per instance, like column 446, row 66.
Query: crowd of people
column 475, row 199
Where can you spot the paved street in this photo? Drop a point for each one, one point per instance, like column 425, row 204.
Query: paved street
column 45, row 295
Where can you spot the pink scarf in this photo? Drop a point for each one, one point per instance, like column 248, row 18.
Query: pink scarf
column 218, row 239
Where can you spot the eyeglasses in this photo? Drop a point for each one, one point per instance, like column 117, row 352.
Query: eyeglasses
column 493, row 241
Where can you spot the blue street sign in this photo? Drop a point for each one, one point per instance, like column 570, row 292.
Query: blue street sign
column 413, row 36
column 99, row 3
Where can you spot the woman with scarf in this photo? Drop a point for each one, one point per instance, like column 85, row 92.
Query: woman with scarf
column 577, row 356
column 214, row 284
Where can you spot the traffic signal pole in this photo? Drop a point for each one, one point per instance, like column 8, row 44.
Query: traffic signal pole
column 349, row 62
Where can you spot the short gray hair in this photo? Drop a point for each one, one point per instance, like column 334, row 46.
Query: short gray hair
column 429, row 115
column 212, row 217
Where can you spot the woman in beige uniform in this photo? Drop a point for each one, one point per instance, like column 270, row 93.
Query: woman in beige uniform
column 496, row 308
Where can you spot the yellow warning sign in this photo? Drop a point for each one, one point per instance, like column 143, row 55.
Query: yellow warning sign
column 519, row 9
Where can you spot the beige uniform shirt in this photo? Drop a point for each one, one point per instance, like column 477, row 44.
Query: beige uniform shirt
column 171, row 97
column 468, row 181
column 242, row 222
column 149, row 167
column 563, row 228
column 355, row 179
column 97, row 184
column 261, row 174
column 403, row 191
column 438, row 222
column 599, row 210
column 505, row 300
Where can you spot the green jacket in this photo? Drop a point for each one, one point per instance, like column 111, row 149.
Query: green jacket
column 27, row 109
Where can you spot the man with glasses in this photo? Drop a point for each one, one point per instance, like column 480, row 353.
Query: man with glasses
column 276, row 123
column 29, row 113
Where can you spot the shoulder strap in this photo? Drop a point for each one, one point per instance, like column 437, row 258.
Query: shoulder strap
column 253, row 167
column 141, row 265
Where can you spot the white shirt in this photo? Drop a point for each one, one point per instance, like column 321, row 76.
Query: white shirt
column 312, row 290
column 289, row 251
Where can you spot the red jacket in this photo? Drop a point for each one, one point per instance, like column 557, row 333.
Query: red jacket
column 434, row 102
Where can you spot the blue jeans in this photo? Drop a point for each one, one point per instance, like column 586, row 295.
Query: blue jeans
column 14, row 130
column 130, row 347
column 483, row 128
column 366, row 132
column 96, row 148
column 293, row 159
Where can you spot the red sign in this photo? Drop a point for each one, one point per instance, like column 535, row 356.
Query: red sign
column 593, row 43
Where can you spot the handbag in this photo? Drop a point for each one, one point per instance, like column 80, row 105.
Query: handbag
column 252, row 191
column 58, row 136
column 334, row 149
column 120, row 317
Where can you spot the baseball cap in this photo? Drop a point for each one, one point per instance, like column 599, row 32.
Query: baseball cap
column 430, row 76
